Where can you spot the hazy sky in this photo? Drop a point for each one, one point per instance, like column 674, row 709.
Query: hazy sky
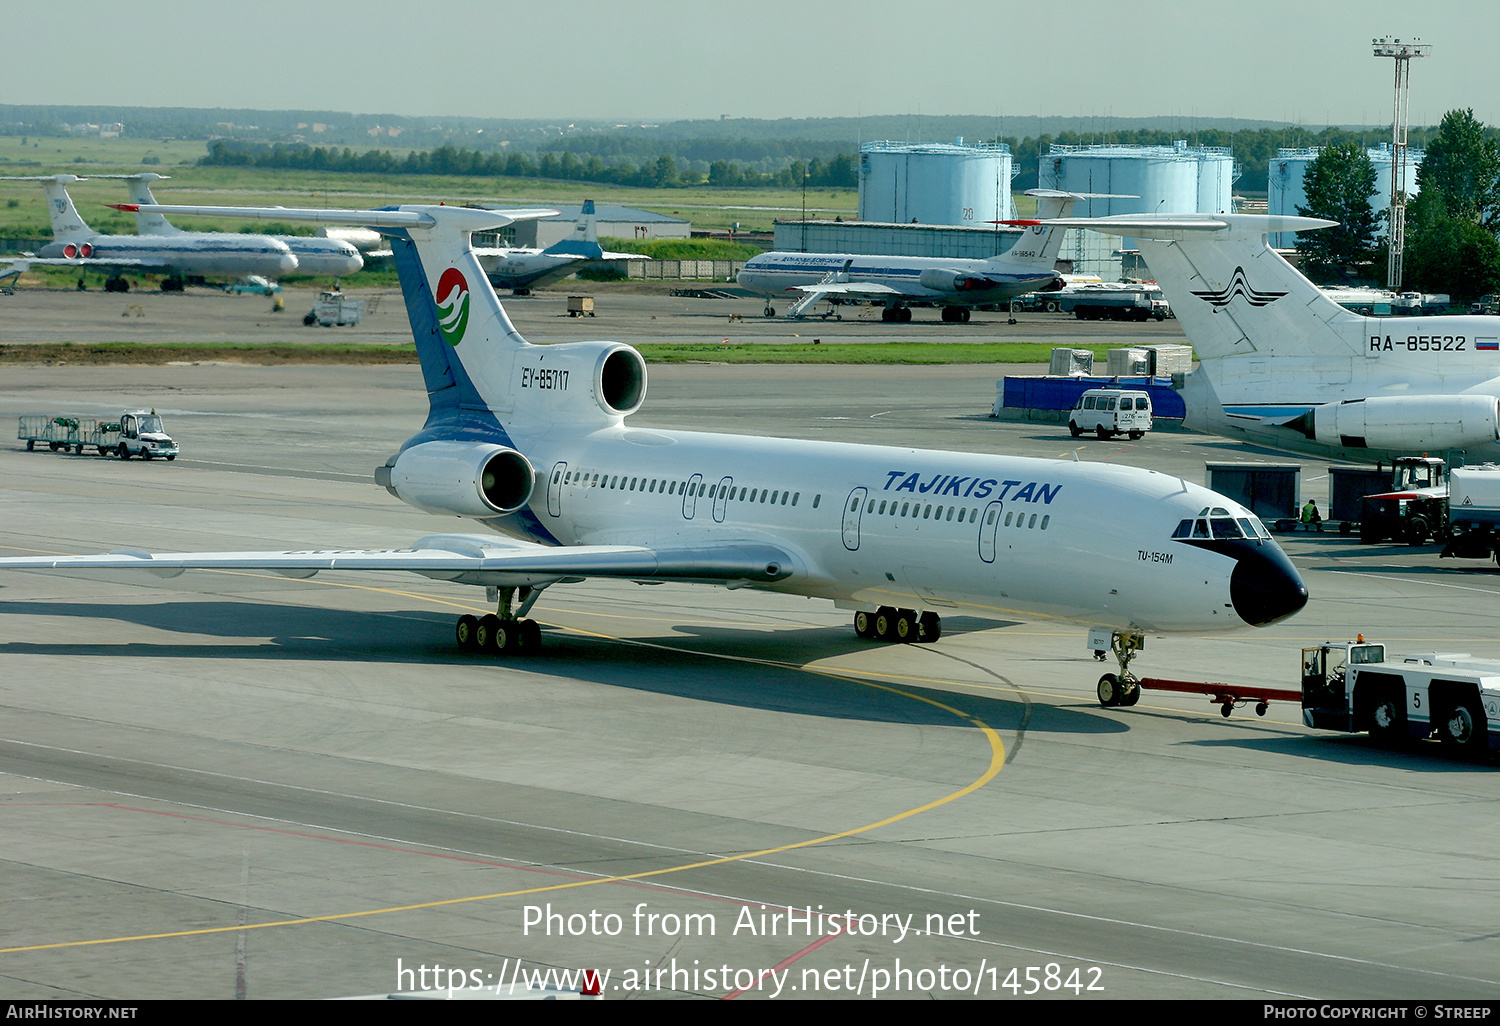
column 1303, row 61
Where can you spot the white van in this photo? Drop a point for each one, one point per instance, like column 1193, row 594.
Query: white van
column 1111, row 411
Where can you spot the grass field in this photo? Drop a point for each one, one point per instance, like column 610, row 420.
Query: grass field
column 23, row 211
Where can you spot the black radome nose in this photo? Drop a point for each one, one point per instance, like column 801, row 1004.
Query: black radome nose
column 1265, row 587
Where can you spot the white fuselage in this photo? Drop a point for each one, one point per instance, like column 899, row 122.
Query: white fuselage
column 1386, row 356
column 209, row 254
column 988, row 536
column 965, row 282
column 322, row 256
column 520, row 268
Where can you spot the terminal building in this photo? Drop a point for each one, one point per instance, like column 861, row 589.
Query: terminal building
column 1288, row 169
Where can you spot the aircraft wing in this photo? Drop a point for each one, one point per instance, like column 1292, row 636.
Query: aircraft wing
column 466, row 559
column 848, row 288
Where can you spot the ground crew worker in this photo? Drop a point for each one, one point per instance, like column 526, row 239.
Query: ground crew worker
column 1311, row 518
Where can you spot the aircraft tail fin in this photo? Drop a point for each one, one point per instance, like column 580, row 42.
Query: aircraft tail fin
column 67, row 224
column 483, row 379
column 146, row 223
column 1041, row 245
column 1232, row 292
column 583, row 240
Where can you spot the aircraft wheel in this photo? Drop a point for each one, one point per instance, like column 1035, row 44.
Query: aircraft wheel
column 1109, row 690
column 770, row 311
column 1132, row 694
column 929, row 628
column 885, row 623
column 964, row 315
column 484, row 632
column 906, row 626
column 864, row 624
column 506, row 638
column 464, row 632
column 531, row 635
column 1465, row 730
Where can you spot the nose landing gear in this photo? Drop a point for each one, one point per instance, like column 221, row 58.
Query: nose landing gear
column 1121, row 688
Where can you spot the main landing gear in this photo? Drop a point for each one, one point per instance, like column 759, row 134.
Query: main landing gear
column 1122, row 688
column 903, row 625
column 502, row 632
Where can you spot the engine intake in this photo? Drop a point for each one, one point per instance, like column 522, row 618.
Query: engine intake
column 464, row 479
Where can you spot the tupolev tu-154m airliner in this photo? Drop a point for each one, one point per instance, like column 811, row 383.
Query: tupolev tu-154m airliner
column 533, row 442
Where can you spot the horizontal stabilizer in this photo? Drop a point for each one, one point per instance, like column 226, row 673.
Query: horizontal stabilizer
column 1175, row 226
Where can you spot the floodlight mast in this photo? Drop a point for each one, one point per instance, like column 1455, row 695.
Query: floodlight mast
column 1403, row 52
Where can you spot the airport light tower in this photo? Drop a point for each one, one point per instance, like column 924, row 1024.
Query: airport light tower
column 1403, row 53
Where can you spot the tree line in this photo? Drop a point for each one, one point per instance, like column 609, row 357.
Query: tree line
column 1451, row 223
column 664, row 172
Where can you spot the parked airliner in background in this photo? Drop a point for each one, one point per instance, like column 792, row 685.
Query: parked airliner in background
column 1283, row 365
column 179, row 257
column 533, row 443
column 900, row 282
column 315, row 255
column 522, row 268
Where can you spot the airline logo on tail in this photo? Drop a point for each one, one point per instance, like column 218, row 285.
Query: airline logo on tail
column 453, row 305
column 1238, row 286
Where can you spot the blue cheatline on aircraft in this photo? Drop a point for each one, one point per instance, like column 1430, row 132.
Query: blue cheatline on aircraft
column 532, row 442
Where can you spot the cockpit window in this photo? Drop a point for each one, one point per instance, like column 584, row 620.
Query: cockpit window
column 1224, row 527
column 1254, row 528
column 1184, row 529
column 1200, row 528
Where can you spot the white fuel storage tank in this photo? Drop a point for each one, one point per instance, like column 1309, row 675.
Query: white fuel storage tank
column 935, row 183
column 1288, row 169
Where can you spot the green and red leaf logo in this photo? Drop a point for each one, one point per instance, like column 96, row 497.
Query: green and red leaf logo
column 453, row 305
